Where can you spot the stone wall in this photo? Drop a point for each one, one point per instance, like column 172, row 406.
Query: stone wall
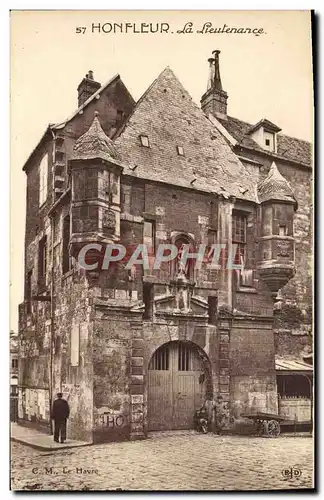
column 297, row 409
column 252, row 366
column 73, row 344
column 111, row 374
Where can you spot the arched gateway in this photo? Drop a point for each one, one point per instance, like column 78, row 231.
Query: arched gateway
column 178, row 378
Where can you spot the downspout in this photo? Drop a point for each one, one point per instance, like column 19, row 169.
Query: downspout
column 311, row 398
column 52, row 323
column 52, row 294
column 310, row 395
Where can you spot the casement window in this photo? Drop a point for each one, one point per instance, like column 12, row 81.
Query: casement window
column 66, row 262
column 213, row 216
column 239, row 236
column 269, row 141
column 148, row 300
column 149, row 235
column 14, row 389
column 212, row 310
column 42, row 260
column 29, row 291
column 212, row 240
column 239, row 223
column 282, row 230
column 246, row 278
column 14, row 363
column 43, row 174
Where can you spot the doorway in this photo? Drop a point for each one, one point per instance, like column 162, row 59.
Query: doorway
column 176, row 386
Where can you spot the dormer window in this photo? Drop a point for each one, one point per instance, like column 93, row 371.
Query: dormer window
column 180, row 151
column 145, row 141
column 269, row 140
column 264, row 133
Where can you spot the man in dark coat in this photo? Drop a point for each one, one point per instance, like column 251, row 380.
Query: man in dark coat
column 60, row 412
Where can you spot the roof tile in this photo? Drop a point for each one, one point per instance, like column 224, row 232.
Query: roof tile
column 94, row 143
column 275, row 187
column 289, row 148
column 167, row 115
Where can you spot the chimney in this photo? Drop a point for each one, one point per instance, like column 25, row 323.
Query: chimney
column 87, row 88
column 214, row 101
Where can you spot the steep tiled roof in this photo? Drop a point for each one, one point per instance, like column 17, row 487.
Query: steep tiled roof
column 275, row 187
column 294, row 149
column 267, row 124
column 167, row 115
column 288, row 147
column 94, row 143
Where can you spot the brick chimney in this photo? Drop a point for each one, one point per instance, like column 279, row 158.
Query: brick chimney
column 87, row 87
column 214, row 101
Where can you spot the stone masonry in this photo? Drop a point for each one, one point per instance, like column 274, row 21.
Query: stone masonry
column 157, row 171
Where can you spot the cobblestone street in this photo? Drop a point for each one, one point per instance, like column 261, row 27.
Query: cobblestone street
column 182, row 460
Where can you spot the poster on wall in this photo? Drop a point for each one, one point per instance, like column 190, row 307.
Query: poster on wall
column 162, row 197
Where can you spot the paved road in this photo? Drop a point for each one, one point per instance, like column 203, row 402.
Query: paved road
column 167, row 461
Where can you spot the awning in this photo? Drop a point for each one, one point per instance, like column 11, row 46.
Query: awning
column 292, row 366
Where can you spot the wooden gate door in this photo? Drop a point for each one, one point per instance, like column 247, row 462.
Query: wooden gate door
column 175, row 389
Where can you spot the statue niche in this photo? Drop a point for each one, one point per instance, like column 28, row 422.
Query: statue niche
column 183, row 269
column 183, row 275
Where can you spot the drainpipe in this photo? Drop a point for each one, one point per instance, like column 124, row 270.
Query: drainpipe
column 311, row 398
column 52, row 295
column 52, row 325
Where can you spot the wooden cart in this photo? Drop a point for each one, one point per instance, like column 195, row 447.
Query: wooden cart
column 266, row 424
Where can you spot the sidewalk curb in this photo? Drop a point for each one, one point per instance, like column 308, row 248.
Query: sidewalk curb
column 48, row 448
column 301, row 435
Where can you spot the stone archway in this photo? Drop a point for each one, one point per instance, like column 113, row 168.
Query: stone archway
column 179, row 380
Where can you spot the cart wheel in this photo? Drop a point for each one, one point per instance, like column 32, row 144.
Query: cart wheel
column 273, row 428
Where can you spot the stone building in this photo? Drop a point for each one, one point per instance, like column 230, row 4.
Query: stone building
column 13, row 375
column 140, row 349
column 13, row 362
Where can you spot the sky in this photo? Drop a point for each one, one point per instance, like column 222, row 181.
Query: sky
column 265, row 76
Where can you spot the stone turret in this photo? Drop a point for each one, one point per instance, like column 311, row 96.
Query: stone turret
column 277, row 262
column 96, row 171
